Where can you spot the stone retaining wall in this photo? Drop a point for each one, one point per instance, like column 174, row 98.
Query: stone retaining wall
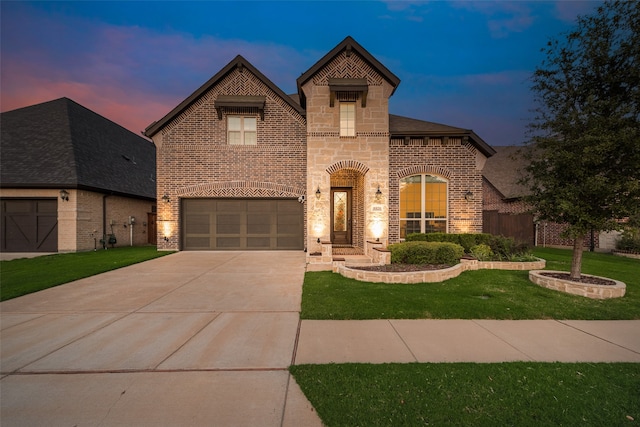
column 431, row 276
column 575, row 288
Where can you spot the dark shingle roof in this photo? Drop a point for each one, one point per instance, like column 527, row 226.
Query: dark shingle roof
column 502, row 170
column 61, row 144
column 404, row 126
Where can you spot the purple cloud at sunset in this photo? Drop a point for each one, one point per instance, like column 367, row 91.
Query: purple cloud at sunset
column 465, row 64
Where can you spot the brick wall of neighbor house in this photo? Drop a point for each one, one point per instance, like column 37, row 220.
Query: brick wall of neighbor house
column 548, row 233
column 492, row 201
column 118, row 210
column 80, row 218
column 194, row 159
column 366, row 155
column 450, row 158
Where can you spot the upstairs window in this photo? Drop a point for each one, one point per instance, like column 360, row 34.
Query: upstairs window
column 347, row 119
column 241, row 130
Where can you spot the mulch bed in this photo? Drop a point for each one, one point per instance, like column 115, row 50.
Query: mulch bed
column 588, row 280
column 401, row 268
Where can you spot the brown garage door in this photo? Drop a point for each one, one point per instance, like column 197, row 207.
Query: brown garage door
column 246, row 224
column 29, row 225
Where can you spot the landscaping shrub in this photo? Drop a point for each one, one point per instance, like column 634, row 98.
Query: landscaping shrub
column 629, row 241
column 417, row 252
column 482, row 252
column 500, row 248
column 506, row 248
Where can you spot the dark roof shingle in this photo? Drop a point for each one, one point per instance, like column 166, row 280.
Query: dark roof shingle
column 62, row 144
column 502, row 170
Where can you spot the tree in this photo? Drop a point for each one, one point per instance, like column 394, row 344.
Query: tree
column 584, row 150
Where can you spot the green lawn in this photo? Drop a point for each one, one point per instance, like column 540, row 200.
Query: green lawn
column 24, row 276
column 467, row 394
column 482, row 294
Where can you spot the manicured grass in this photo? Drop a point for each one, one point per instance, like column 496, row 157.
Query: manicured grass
column 482, row 294
column 466, row 394
column 24, row 276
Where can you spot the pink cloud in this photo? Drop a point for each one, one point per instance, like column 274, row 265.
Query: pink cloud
column 132, row 76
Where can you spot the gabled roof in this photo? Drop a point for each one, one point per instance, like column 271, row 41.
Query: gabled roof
column 347, row 44
column 502, row 170
column 61, row 144
column 237, row 62
column 400, row 127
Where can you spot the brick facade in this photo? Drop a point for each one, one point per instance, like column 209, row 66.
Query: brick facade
column 451, row 159
column 194, row 159
column 300, row 151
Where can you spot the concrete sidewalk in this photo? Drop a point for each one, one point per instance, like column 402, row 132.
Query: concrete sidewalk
column 486, row 341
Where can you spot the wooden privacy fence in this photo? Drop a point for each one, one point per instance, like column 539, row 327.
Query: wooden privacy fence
column 518, row 226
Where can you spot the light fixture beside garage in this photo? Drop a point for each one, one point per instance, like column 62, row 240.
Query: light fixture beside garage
column 166, row 198
column 318, row 193
column 64, row 195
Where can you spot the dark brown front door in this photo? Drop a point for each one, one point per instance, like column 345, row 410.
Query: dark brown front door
column 341, row 216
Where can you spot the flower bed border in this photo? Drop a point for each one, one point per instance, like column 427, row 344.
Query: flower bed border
column 576, row 288
column 432, row 276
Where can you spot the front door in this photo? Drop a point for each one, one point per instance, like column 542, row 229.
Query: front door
column 341, row 216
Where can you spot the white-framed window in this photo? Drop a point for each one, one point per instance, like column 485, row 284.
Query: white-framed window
column 242, row 130
column 423, row 204
column 347, row 119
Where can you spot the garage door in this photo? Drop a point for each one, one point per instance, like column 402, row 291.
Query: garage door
column 247, row 224
column 29, row 225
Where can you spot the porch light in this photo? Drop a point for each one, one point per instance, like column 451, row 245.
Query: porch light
column 166, row 198
column 468, row 196
column 64, row 195
column 378, row 194
column 318, row 193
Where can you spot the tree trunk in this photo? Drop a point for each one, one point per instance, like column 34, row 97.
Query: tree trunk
column 576, row 260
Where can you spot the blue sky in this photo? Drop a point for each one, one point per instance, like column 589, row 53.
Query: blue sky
column 464, row 64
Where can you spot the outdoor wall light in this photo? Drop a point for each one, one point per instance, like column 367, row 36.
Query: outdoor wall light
column 318, row 193
column 166, row 239
column 64, row 195
column 318, row 240
column 378, row 194
column 166, row 198
column 468, row 196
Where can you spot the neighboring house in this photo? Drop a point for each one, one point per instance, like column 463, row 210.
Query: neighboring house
column 242, row 165
column 70, row 178
column 506, row 213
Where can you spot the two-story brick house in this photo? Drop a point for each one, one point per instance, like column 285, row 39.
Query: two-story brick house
column 242, row 165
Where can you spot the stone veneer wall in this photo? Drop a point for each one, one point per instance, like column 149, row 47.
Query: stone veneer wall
column 328, row 153
column 450, row 158
column 194, row 159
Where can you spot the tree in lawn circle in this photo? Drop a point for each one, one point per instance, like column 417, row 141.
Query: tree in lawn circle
column 584, row 147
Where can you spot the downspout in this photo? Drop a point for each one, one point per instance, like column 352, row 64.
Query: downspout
column 104, row 221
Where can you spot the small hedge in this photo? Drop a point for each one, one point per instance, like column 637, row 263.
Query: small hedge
column 466, row 240
column 501, row 248
column 437, row 253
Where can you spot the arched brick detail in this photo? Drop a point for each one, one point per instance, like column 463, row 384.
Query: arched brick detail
column 348, row 164
column 246, row 189
column 415, row 170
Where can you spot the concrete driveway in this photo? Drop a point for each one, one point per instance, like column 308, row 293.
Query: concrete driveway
column 192, row 338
